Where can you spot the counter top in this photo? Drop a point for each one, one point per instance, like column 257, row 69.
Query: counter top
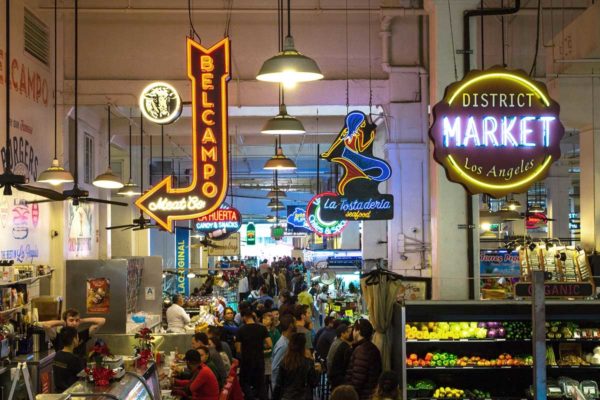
column 40, row 357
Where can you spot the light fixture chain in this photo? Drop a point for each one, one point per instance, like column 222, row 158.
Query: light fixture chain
column 347, row 65
column 55, row 79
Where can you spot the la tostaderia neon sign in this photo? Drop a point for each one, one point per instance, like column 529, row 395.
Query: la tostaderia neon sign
column 496, row 132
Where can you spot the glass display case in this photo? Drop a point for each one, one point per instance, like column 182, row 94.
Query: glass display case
column 134, row 385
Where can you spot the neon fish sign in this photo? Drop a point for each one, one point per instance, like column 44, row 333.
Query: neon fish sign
column 496, row 132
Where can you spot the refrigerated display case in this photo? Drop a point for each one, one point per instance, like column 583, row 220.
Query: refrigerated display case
column 482, row 349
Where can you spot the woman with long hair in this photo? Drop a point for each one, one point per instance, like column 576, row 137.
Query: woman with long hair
column 297, row 376
column 388, row 387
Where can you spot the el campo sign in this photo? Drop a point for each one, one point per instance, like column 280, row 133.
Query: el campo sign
column 496, row 132
column 208, row 69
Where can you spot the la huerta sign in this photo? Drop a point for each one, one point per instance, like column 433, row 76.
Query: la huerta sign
column 358, row 194
column 496, row 132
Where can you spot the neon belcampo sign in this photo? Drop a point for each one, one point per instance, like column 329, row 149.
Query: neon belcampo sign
column 220, row 223
column 208, row 69
column 496, row 132
column 160, row 103
column 315, row 221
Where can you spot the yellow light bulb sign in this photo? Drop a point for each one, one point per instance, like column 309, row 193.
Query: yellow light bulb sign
column 208, row 69
column 496, row 132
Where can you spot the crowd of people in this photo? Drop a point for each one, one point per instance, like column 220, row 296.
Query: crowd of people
column 271, row 341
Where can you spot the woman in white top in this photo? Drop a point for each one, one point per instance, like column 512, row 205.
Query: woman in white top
column 177, row 318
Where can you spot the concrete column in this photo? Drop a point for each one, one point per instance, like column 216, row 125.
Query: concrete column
column 589, row 184
column 557, row 188
column 448, row 200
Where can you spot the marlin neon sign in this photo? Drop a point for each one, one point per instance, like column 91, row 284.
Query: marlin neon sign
column 496, row 132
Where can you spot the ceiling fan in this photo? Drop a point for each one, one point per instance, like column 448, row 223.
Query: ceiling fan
column 76, row 194
column 9, row 180
column 205, row 242
column 138, row 224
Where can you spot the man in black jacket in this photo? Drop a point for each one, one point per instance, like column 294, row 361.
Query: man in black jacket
column 365, row 363
column 341, row 356
column 325, row 336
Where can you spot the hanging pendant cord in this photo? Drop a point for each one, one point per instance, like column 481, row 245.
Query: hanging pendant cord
column 76, row 85
column 347, row 66
column 142, row 153
column 7, row 165
column 55, row 73
column 503, row 37
column 289, row 19
column 370, row 74
column 130, row 147
column 482, row 37
column 452, row 40
column 162, row 152
column 108, row 108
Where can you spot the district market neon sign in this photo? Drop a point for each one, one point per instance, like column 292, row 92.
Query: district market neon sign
column 496, row 132
column 208, row 69
column 316, row 223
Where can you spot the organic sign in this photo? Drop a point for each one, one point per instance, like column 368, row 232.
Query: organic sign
column 316, row 221
column 250, row 234
column 182, row 260
column 220, row 223
column 160, row 103
column 359, row 197
column 208, row 69
column 556, row 289
column 496, row 132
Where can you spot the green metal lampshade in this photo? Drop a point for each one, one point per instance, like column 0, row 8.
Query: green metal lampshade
column 279, row 162
column 108, row 180
column 55, row 175
column 536, row 208
column 130, row 189
column 513, row 204
column 283, row 124
column 289, row 67
column 276, row 193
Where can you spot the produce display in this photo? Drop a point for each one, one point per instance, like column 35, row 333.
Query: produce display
column 427, row 388
column 468, row 330
column 452, row 360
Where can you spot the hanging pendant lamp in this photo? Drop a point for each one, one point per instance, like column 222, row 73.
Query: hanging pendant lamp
column 283, row 124
column 276, row 193
column 289, row 66
column 130, row 189
column 279, row 161
column 108, row 180
column 56, row 174
column 513, row 204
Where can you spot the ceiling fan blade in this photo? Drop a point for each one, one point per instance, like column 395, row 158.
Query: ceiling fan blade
column 119, row 227
column 41, row 201
column 114, row 203
column 43, row 192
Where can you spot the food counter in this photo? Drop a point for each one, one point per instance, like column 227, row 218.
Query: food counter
column 138, row 384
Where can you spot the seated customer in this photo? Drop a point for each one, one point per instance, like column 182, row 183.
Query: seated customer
column 66, row 365
column 202, row 385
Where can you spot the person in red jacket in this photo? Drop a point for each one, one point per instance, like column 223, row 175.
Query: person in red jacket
column 203, row 384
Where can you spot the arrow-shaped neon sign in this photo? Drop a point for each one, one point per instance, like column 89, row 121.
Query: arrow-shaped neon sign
column 208, row 69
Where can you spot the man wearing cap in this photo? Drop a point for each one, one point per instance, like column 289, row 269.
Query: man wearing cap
column 203, row 384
